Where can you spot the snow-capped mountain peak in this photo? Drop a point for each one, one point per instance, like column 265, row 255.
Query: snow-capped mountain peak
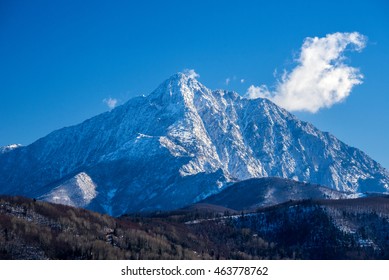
column 180, row 144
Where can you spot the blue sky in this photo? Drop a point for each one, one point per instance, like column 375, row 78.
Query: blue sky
column 60, row 59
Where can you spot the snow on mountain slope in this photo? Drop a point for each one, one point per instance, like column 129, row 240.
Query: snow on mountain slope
column 8, row 148
column 77, row 191
column 182, row 143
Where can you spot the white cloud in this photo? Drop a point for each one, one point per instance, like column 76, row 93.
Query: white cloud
column 191, row 73
column 110, row 102
column 242, row 81
column 228, row 80
column 254, row 92
column 321, row 77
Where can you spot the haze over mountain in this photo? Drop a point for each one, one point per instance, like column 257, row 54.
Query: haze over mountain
column 178, row 145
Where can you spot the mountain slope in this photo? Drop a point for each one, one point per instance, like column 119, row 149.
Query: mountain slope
column 261, row 192
column 327, row 229
column 8, row 148
column 40, row 230
column 180, row 144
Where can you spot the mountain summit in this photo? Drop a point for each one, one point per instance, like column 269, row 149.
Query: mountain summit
column 178, row 145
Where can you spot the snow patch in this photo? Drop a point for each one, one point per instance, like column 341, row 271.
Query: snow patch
column 174, row 149
column 8, row 148
column 78, row 191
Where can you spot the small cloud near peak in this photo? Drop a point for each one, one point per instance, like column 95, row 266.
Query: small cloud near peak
column 110, row 102
column 191, row 73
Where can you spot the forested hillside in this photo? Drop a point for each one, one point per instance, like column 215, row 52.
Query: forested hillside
column 325, row 229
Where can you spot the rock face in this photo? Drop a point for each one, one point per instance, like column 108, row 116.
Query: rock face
column 178, row 145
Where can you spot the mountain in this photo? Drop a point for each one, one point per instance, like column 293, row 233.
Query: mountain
column 261, row 192
column 178, row 145
column 8, row 148
column 77, row 191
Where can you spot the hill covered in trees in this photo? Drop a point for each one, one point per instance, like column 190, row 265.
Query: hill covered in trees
column 307, row 229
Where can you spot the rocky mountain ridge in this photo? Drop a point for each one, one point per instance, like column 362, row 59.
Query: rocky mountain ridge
column 179, row 145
